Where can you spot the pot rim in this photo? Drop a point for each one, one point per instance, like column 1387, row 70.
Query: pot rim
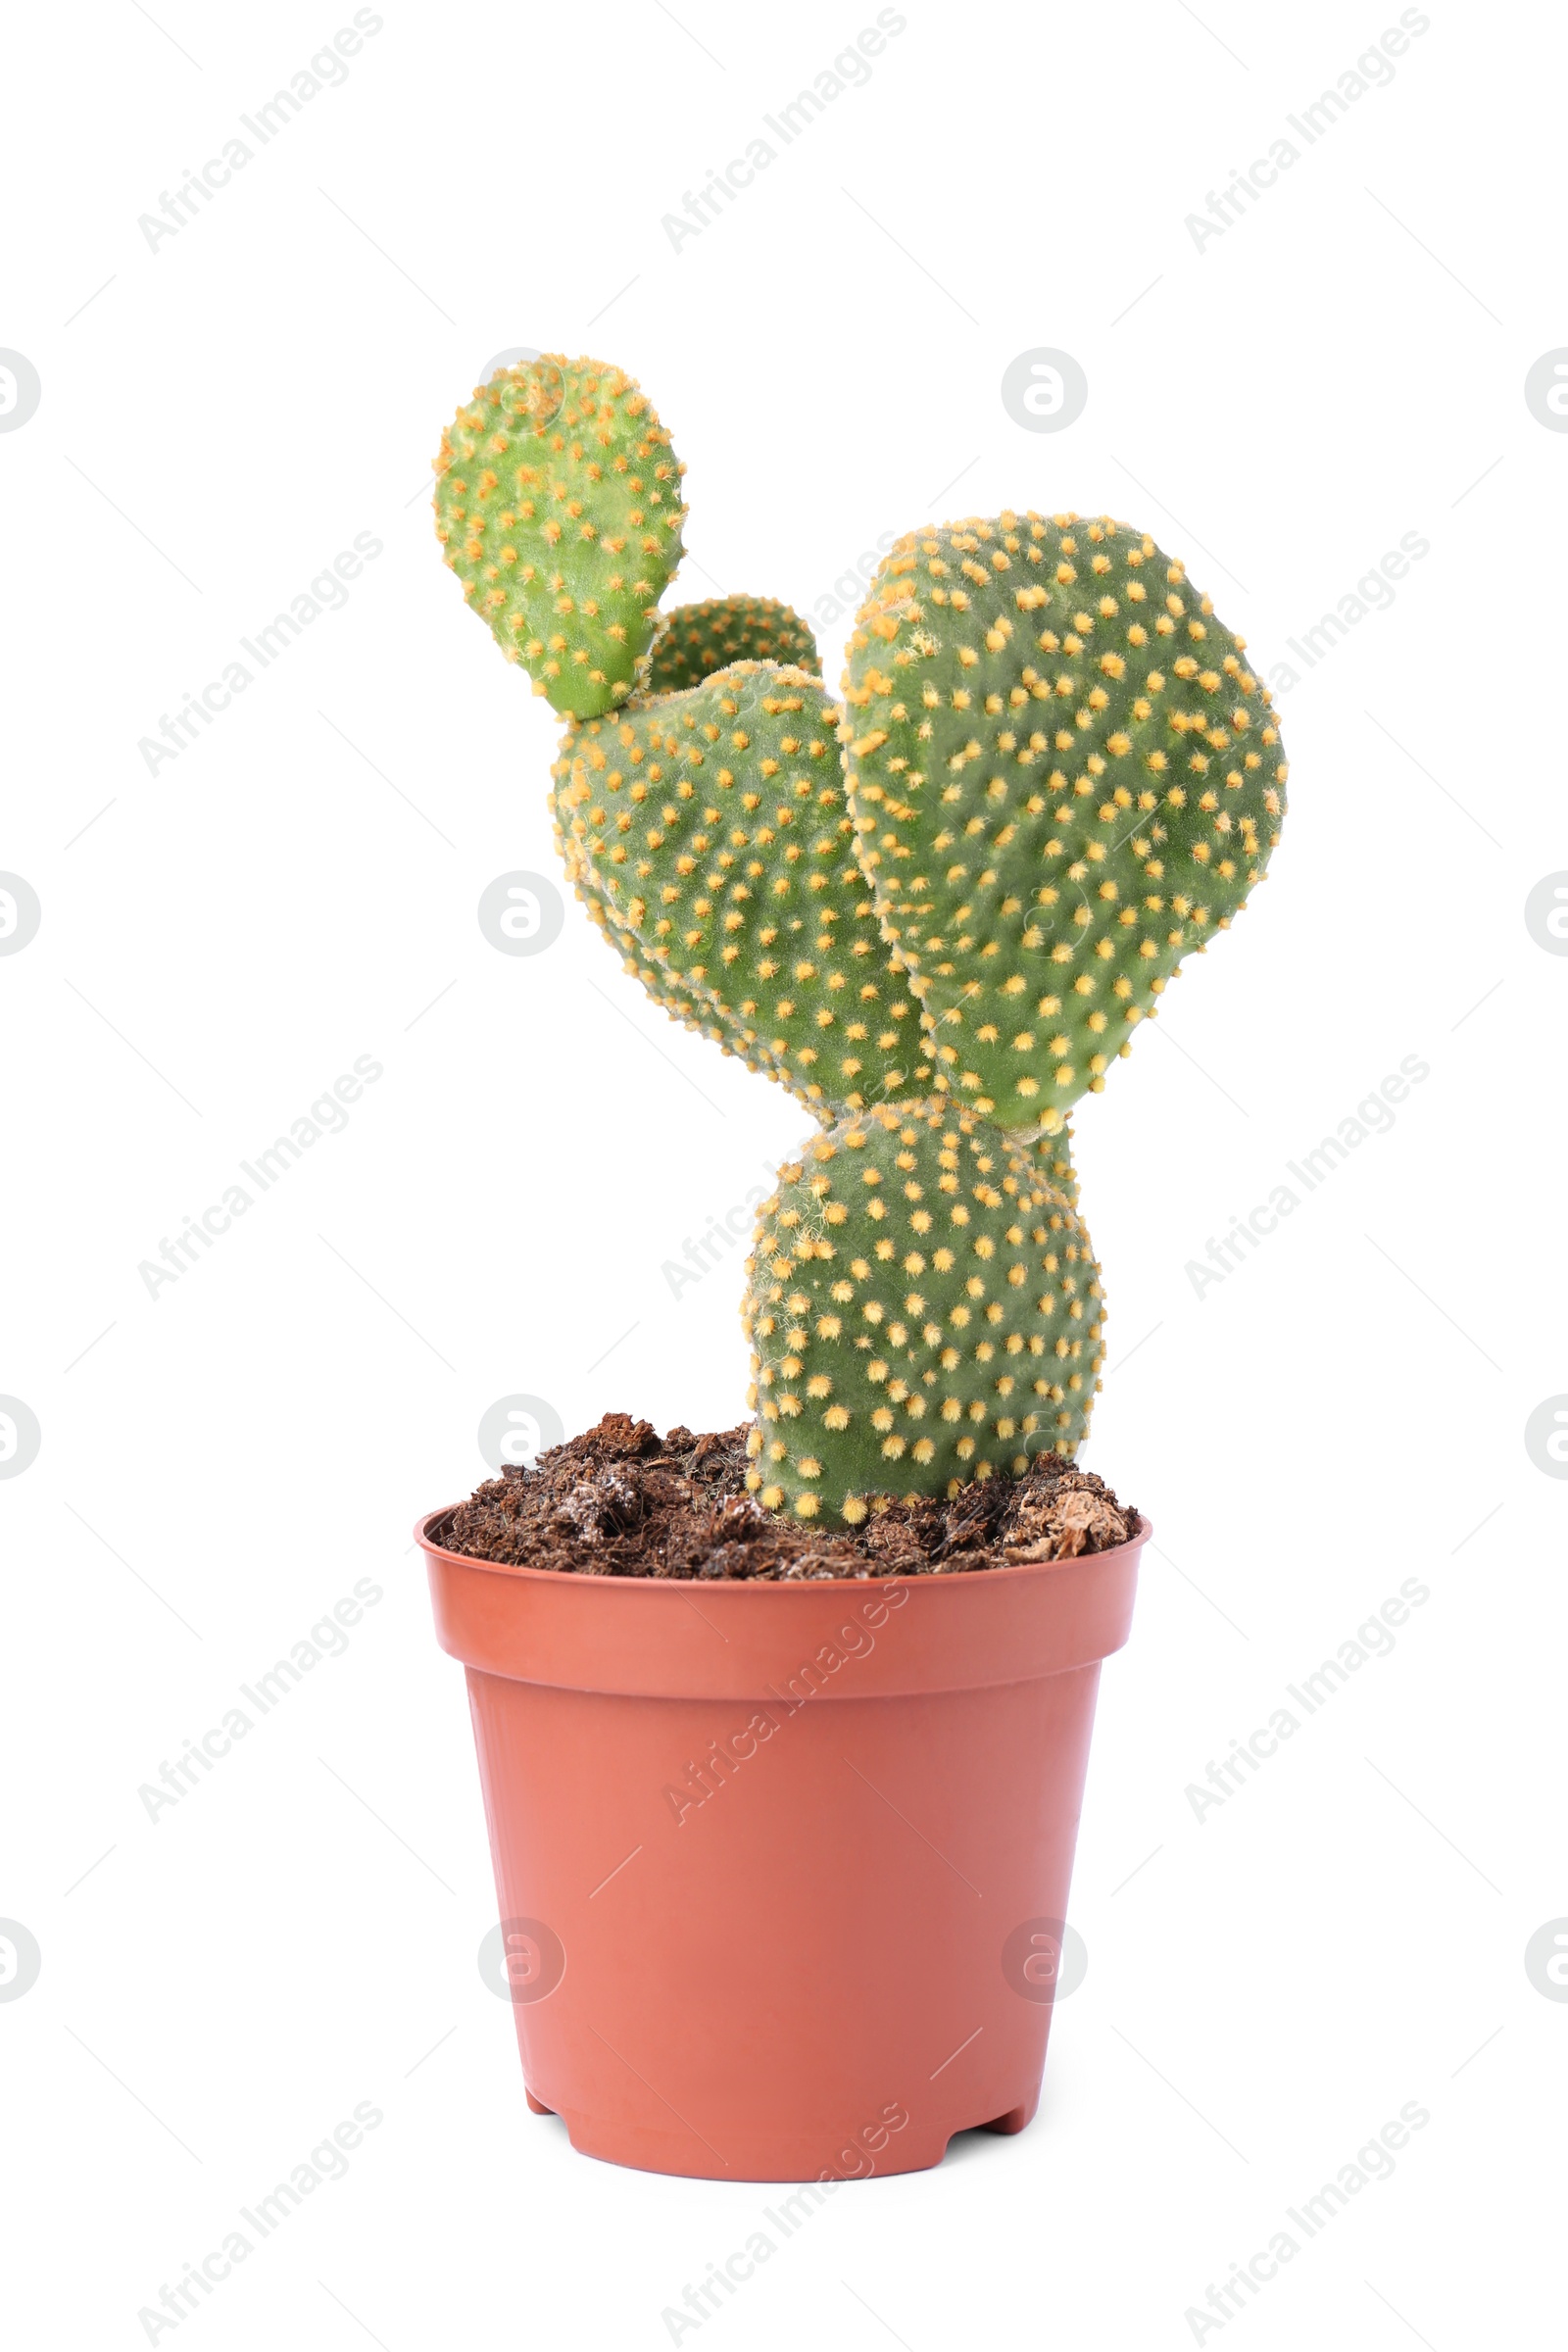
column 556, row 1577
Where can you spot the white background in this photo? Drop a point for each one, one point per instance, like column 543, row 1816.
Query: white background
column 220, row 417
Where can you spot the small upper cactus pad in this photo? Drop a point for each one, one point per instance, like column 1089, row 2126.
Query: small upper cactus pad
column 692, row 641
column 924, row 1308
column 1064, row 775
column 714, row 826
column 558, row 500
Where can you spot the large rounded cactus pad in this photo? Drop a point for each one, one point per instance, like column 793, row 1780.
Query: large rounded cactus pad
column 685, row 1001
column 1065, row 776
column 714, row 825
column 557, row 502
column 924, row 1308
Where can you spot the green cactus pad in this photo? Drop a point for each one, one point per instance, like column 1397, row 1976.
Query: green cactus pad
column 692, row 641
column 691, row 1006
column 715, row 827
column 557, row 502
column 924, row 1309
column 1064, row 777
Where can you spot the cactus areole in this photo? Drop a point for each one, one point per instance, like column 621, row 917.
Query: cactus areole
column 935, row 910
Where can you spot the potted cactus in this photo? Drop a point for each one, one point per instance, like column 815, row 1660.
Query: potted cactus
column 782, row 1730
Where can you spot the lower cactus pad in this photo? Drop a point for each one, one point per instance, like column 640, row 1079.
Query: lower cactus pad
column 924, row 1309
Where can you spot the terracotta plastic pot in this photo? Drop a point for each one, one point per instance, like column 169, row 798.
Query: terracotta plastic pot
column 782, row 1869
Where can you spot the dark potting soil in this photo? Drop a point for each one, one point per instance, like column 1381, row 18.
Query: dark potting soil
column 620, row 1500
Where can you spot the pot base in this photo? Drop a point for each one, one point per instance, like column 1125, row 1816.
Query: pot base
column 637, row 2151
